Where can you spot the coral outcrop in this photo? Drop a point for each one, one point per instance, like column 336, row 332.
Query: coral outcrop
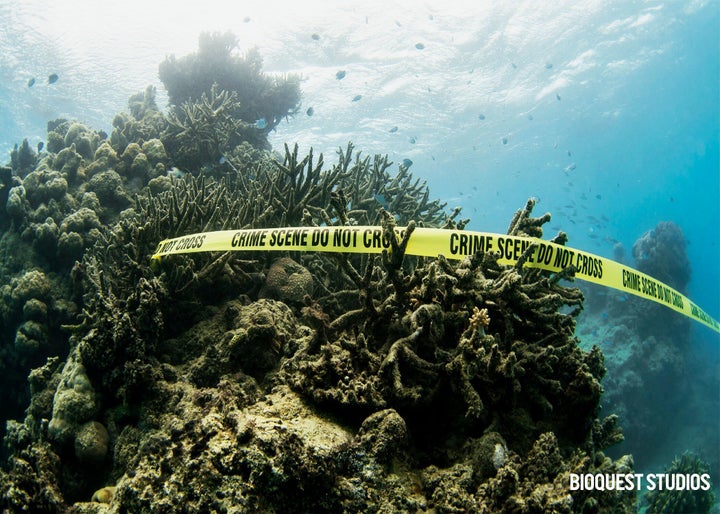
column 648, row 348
column 215, row 64
column 218, row 97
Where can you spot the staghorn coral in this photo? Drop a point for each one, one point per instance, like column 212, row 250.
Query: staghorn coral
column 416, row 346
column 202, row 130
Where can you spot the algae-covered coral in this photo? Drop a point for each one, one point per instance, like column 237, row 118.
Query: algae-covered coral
column 293, row 382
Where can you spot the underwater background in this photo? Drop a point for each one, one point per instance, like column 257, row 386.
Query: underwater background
column 607, row 113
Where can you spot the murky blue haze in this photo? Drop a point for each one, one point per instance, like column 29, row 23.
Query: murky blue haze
column 606, row 111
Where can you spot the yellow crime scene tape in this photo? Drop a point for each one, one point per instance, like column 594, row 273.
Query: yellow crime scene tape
column 452, row 244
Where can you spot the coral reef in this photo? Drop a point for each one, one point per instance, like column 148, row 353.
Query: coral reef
column 696, row 498
column 292, row 382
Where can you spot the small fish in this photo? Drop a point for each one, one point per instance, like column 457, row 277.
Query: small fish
column 481, row 116
column 412, row 140
column 599, row 197
column 310, row 111
column 570, row 167
column 340, row 75
column 513, row 65
column 175, row 173
column 419, row 46
column 52, row 78
column 357, row 98
column 504, row 140
column 40, row 146
column 530, row 117
column 548, row 66
column 393, row 130
column 31, row 82
column 316, row 37
column 222, row 160
column 569, row 153
column 558, row 97
column 407, row 163
column 261, row 123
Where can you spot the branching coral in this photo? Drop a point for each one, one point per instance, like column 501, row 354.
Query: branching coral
column 190, row 77
column 513, row 365
column 201, row 131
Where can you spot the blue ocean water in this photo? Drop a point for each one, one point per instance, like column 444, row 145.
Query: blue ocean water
column 606, row 111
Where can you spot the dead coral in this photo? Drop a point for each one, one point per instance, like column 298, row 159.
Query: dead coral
column 422, row 335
